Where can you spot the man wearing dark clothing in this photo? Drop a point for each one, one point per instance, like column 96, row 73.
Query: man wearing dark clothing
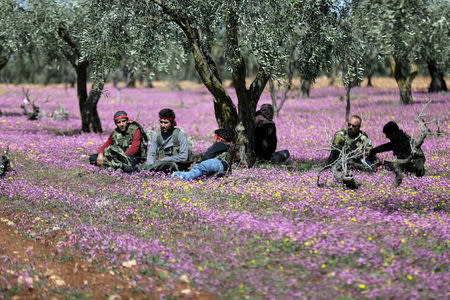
column 265, row 133
column 400, row 145
column 216, row 149
column 218, row 158
column 127, row 144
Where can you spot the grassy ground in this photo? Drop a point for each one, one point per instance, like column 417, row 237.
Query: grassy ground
column 266, row 232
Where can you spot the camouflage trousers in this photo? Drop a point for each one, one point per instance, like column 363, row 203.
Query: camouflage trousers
column 114, row 156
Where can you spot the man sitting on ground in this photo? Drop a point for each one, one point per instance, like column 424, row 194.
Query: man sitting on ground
column 169, row 148
column 217, row 159
column 127, row 144
column 400, row 145
column 266, row 136
column 350, row 139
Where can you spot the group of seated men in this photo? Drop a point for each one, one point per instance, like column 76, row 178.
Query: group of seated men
column 169, row 151
column 354, row 139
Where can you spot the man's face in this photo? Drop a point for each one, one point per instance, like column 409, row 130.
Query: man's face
column 353, row 126
column 122, row 124
column 165, row 125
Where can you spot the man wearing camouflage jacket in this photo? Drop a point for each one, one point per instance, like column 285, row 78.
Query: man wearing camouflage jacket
column 127, row 144
column 350, row 139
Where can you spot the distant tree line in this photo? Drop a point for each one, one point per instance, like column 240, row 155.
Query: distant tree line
column 102, row 40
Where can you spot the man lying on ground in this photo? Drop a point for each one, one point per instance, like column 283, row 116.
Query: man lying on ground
column 127, row 144
column 217, row 159
column 400, row 145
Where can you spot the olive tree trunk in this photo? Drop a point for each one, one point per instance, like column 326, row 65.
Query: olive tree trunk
column 3, row 61
column 90, row 120
column 305, row 87
column 437, row 78
column 404, row 74
column 369, row 80
column 225, row 111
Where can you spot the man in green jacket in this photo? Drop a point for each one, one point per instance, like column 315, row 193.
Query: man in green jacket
column 127, row 144
column 350, row 139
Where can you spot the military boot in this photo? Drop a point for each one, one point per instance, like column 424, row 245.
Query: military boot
column 128, row 168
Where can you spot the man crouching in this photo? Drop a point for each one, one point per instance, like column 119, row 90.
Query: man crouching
column 127, row 144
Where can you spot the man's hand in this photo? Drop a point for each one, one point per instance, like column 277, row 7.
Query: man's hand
column 100, row 159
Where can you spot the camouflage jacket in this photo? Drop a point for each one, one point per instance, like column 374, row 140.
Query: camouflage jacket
column 342, row 140
column 123, row 140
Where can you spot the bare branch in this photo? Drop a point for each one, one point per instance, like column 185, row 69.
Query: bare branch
column 35, row 113
column 340, row 167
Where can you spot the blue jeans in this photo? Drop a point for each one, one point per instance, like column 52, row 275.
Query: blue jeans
column 206, row 167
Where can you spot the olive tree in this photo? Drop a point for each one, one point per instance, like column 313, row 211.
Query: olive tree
column 351, row 49
column 59, row 29
column 314, row 49
column 244, row 29
column 406, row 34
column 436, row 41
column 13, row 32
column 310, row 45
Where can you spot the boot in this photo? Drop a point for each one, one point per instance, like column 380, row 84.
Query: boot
column 127, row 168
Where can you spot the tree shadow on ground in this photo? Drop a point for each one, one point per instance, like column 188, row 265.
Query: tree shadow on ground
column 10, row 114
column 61, row 132
column 298, row 165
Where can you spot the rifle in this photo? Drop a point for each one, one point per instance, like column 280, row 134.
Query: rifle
column 4, row 166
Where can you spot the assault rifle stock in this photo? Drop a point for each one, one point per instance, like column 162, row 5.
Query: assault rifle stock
column 4, row 166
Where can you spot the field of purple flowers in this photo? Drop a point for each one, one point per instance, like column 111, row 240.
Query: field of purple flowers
column 266, row 232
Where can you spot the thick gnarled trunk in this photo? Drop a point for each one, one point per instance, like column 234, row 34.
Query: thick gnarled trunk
column 3, row 61
column 404, row 74
column 305, row 87
column 437, row 78
column 90, row 120
column 225, row 111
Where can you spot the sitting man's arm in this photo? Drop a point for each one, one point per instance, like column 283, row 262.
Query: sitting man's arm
column 214, row 150
column 151, row 155
column 271, row 139
column 365, row 145
column 381, row 148
column 101, row 151
column 183, row 154
column 108, row 143
column 135, row 145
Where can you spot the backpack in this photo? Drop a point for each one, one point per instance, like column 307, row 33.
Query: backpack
column 145, row 139
column 176, row 146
